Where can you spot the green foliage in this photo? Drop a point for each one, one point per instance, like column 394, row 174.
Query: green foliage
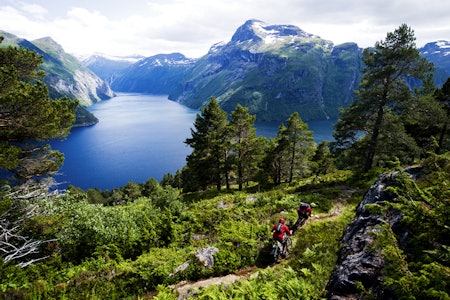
column 304, row 277
column 130, row 249
column 29, row 116
column 317, row 249
column 372, row 129
column 420, row 268
column 207, row 162
column 287, row 155
column 247, row 148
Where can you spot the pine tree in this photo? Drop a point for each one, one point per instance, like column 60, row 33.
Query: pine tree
column 246, row 146
column 28, row 116
column 322, row 160
column 288, row 153
column 206, row 164
column 299, row 144
column 371, row 127
column 443, row 97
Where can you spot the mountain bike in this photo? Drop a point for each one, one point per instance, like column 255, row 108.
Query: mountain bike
column 277, row 249
column 299, row 223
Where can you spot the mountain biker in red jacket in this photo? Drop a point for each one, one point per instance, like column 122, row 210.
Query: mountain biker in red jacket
column 304, row 211
column 279, row 233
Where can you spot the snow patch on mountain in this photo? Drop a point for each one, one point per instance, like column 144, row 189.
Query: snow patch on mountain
column 443, row 44
column 88, row 59
column 166, row 60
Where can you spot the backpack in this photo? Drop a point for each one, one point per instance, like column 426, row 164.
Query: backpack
column 279, row 227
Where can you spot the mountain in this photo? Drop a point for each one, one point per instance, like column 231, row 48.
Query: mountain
column 65, row 75
column 271, row 69
column 157, row 74
column 108, row 67
column 438, row 53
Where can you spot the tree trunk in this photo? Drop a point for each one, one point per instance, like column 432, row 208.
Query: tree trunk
column 291, row 168
column 441, row 139
column 374, row 138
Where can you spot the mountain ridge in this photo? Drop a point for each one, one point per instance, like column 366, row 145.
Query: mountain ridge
column 273, row 70
column 65, row 75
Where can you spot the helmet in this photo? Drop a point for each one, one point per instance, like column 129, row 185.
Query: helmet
column 281, row 221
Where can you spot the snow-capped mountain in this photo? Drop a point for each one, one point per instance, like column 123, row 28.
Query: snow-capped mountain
column 438, row 53
column 109, row 67
column 274, row 70
column 271, row 69
column 158, row 74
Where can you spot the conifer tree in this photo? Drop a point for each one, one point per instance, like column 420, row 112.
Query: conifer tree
column 322, row 160
column 206, row 164
column 274, row 168
column 371, row 128
column 299, row 144
column 28, row 116
column 443, row 97
column 246, row 146
column 288, row 153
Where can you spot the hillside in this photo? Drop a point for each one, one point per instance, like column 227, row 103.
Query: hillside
column 150, row 247
column 65, row 75
column 108, row 67
column 274, row 70
column 154, row 75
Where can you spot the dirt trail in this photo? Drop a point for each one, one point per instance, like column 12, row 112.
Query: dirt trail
column 187, row 289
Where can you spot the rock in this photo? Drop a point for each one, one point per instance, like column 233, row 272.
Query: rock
column 358, row 263
column 206, row 256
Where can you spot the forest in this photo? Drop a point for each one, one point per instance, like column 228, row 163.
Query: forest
column 145, row 240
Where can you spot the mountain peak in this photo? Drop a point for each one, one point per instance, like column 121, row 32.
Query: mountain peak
column 257, row 30
column 166, row 59
column 437, row 48
column 47, row 43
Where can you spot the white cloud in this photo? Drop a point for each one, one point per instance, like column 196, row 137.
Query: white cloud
column 150, row 27
column 34, row 10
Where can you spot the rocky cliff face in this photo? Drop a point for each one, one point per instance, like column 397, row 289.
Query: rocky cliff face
column 65, row 75
column 360, row 266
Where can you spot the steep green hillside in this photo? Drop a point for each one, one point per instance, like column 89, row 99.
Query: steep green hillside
column 149, row 244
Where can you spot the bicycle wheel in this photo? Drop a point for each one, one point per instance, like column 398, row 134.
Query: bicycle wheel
column 288, row 244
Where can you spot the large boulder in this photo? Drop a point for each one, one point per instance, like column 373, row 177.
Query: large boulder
column 359, row 268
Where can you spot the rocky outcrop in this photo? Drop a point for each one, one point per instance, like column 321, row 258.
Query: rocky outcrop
column 360, row 267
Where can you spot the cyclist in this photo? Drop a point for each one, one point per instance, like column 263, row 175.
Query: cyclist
column 279, row 233
column 304, row 211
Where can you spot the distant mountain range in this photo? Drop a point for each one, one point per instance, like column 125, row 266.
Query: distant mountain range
column 106, row 66
column 271, row 69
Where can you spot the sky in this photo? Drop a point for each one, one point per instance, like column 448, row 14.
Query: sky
column 191, row 27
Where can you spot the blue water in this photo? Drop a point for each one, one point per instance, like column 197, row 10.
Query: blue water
column 138, row 137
